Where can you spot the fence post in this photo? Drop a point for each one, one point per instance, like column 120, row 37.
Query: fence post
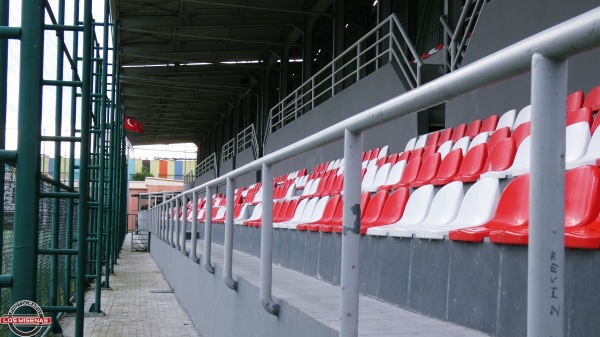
column 208, row 231
column 184, row 213
column 194, row 227
column 228, row 263
column 266, row 242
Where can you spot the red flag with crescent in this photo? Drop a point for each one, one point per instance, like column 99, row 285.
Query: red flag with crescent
column 133, row 125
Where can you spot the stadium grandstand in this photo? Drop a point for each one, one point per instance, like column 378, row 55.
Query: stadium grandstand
column 364, row 168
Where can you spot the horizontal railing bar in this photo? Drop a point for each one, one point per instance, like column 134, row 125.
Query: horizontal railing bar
column 562, row 41
column 8, row 156
column 63, row 308
column 57, row 251
column 60, row 139
column 64, row 28
column 62, row 83
column 59, row 195
column 10, row 32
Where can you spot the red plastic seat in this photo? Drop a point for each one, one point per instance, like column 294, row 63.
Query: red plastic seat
column 579, row 115
column 489, row 124
column 393, row 209
column 473, row 129
column 444, row 136
column 596, row 123
column 337, row 218
column 282, row 211
column 472, row 164
column 327, row 226
column 381, row 161
column 448, row 168
column 497, row 136
column 374, row 153
column 428, row 170
column 428, row 151
column 458, row 133
column 327, row 186
column 410, row 173
column 592, row 100
column 328, row 213
column 417, row 153
column 393, row 158
column 521, row 132
column 512, row 210
column 371, row 213
column 582, row 204
column 433, row 139
column 499, row 159
column 404, row 156
column 574, row 101
column 290, row 211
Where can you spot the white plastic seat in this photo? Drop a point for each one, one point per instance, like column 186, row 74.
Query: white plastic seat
column 243, row 216
column 463, row 144
column 330, row 165
column 481, row 138
column 201, row 213
column 396, row 173
column 421, row 141
column 301, row 182
column 304, row 217
column 415, row 211
column 336, row 163
column 311, row 216
column 523, row 116
column 443, row 210
column 411, row 144
column 308, row 187
column 578, row 139
column 383, row 152
column 590, row 156
column 297, row 214
column 364, row 164
column 507, row 120
column 256, row 214
column 477, row 208
column 369, row 177
column 520, row 165
column 380, row 178
column 220, row 215
column 445, row 148
column 291, row 192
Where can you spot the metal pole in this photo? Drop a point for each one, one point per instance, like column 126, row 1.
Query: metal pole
column 184, row 201
column 25, row 232
column 4, row 8
column 546, row 266
column 228, row 263
column 266, row 242
column 194, row 227
column 171, row 223
column 353, row 143
column 177, row 238
column 208, row 231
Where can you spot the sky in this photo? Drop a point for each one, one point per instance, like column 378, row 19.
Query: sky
column 177, row 151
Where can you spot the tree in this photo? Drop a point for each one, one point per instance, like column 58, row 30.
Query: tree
column 142, row 175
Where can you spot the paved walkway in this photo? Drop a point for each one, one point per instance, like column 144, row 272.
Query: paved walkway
column 132, row 308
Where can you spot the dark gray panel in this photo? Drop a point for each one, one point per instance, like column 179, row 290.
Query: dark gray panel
column 297, row 250
column 287, row 248
column 429, row 277
column 337, row 253
column 278, row 238
column 583, row 293
column 370, row 263
column 473, row 285
column 328, row 256
column 394, row 269
column 512, row 294
column 311, row 253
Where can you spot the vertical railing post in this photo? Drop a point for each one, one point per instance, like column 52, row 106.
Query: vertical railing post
column 184, row 214
column 358, row 62
column 171, row 223
column 266, row 242
column 353, row 143
column 177, row 223
column 546, row 255
column 228, row 263
column 312, row 92
column 194, row 227
column 208, row 231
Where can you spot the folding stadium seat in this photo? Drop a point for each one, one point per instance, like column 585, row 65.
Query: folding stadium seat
column 219, row 215
column 444, row 208
column 512, row 210
column 394, row 176
column 415, row 153
column 507, row 120
column 498, row 136
column 336, row 220
column 473, row 162
column 338, row 185
column 582, row 204
column 592, row 100
column 404, row 156
column 428, row 170
column 280, row 215
column 327, row 215
column 372, row 212
column 444, row 136
column 380, row 178
column 289, row 212
column 458, row 133
column 310, row 188
column 489, row 124
column 462, row 143
column 201, row 215
column 445, row 148
column 499, row 159
column 374, row 154
column 421, row 141
column 473, row 129
column 393, row 158
column 591, row 156
column 520, row 164
column 310, row 215
column 448, row 168
column 289, row 191
column 578, row 140
column 392, row 210
column 256, row 214
column 415, row 211
column 481, row 138
column 409, row 174
column 383, row 152
column 324, row 183
column 410, row 145
column 428, row 151
column 521, row 132
column 580, row 115
column 303, row 217
column 368, row 178
column 574, row 101
column 433, row 138
column 523, row 116
column 477, row 208
column 381, row 161
column 257, row 197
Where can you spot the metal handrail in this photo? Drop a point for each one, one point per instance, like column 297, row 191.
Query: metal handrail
column 388, row 41
column 247, row 138
column 543, row 54
column 228, row 150
column 209, row 163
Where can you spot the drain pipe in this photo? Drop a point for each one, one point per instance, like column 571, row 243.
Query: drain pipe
column 266, row 242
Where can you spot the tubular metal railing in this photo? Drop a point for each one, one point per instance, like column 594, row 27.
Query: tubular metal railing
column 247, row 138
column 385, row 42
column 545, row 55
column 228, row 150
column 209, row 163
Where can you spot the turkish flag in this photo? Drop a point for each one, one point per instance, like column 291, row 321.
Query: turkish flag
column 133, row 125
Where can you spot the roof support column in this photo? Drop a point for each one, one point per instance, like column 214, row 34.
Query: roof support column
column 283, row 74
column 307, row 49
